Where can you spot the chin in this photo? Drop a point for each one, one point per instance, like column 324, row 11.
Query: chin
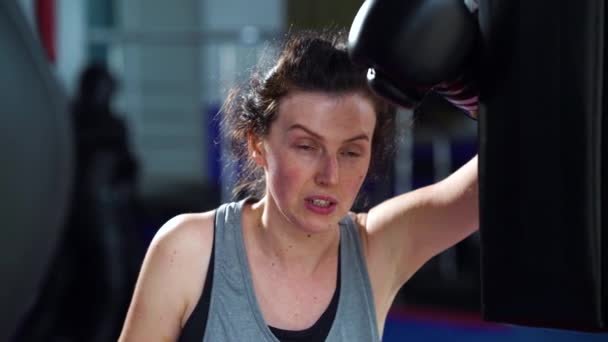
column 316, row 225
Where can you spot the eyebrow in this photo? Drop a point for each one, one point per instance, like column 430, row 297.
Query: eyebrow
column 361, row 136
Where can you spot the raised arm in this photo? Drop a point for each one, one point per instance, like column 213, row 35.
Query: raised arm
column 171, row 279
column 406, row 231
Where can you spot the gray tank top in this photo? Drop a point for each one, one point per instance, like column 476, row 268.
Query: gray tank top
column 234, row 314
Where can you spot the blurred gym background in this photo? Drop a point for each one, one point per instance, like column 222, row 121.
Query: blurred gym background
column 143, row 80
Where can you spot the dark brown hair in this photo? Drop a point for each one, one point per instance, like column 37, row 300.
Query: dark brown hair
column 308, row 61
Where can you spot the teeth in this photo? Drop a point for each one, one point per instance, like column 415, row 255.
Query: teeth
column 320, row 203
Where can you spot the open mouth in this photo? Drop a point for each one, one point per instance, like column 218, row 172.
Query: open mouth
column 320, row 202
column 321, row 205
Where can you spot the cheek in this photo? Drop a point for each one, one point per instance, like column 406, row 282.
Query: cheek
column 285, row 172
column 354, row 177
column 356, row 182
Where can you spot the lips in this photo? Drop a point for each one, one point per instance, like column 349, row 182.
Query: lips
column 323, row 205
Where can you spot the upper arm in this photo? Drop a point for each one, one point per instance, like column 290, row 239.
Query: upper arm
column 406, row 231
column 170, row 280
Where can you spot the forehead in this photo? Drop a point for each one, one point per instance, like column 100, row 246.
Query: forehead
column 328, row 114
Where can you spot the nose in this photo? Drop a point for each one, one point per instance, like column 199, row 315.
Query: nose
column 328, row 173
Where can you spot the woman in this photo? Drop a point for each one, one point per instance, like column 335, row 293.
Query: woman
column 291, row 262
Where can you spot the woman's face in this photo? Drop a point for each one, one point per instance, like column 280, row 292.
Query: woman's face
column 316, row 157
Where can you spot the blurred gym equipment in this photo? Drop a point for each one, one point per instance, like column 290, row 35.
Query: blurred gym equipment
column 36, row 172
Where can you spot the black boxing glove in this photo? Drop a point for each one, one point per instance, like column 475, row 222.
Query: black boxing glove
column 412, row 47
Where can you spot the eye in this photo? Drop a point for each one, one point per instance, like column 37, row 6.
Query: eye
column 351, row 154
column 305, row 147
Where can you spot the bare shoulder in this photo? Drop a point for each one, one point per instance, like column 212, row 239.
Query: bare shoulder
column 186, row 232
column 171, row 278
column 184, row 245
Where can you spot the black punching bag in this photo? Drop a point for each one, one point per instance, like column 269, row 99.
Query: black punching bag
column 36, row 170
column 543, row 163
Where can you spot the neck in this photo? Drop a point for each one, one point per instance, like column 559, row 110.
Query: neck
column 294, row 250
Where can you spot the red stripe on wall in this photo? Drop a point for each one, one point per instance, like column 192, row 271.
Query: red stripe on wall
column 45, row 20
